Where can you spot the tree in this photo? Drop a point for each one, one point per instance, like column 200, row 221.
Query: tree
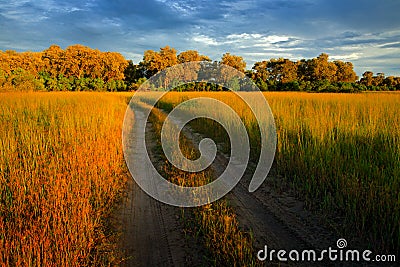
column 233, row 61
column 30, row 62
column 133, row 73
column 53, row 60
column 378, row 79
column 367, row 78
column 345, row 72
column 322, row 69
column 305, row 70
column 282, row 70
column 392, row 82
column 191, row 55
column 288, row 70
column 114, row 66
column 260, row 71
column 157, row 61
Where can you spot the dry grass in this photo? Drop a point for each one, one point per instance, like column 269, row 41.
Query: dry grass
column 341, row 153
column 61, row 173
column 215, row 223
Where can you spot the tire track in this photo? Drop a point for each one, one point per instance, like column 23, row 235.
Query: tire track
column 276, row 219
column 151, row 231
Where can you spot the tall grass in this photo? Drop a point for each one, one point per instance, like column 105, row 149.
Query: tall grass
column 341, row 153
column 215, row 223
column 61, row 173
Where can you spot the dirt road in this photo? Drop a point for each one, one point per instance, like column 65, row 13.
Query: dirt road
column 277, row 219
column 152, row 231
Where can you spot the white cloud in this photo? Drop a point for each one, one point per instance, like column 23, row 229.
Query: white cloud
column 181, row 7
column 275, row 39
column 114, row 22
column 390, row 45
column 135, row 57
column 246, row 36
column 27, row 11
column 204, row 39
column 346, row 57
column 260, row 41
column 256, row 37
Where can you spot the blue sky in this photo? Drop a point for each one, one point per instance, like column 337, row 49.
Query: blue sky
column 364, row 32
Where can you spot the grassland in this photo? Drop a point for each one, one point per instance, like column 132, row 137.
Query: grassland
column 215, row 225
column 61, row 174
column 341, row 153
column 62, row 171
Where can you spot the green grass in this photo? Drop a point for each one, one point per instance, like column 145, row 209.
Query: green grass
column 341, row 153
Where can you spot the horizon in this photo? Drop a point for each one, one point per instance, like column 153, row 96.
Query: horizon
column 248, row 67
column 366, row 34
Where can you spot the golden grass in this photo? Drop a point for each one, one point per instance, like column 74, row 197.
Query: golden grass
column 341, row 152
column 61, row 173
column 216, row 223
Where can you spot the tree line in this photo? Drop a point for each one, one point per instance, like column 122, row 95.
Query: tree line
column 80, row 68
column 77, row 68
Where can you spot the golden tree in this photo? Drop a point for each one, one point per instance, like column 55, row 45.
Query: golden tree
column 191, row 55
column 345, row 72
column 157, row 61
column 233, row 61
column 322, row 69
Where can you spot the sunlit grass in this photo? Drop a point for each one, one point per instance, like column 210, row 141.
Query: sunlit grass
column 61, row 173
column 216, row 223
column 341, row 152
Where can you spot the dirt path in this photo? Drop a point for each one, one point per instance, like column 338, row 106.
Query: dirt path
column 152, row 234
column 276, row 219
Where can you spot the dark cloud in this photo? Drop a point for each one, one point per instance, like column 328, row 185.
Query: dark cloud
column 363, row 31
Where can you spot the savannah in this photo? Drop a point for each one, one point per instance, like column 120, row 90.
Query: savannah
column 65, row 184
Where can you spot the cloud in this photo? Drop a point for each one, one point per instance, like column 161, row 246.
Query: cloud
column 204, row 39
column 256, row 37
column 362, row 31
column 346, row 57
column 390, row 45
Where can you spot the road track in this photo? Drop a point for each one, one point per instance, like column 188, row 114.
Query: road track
column 152, row 234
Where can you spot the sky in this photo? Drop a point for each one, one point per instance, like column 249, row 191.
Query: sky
column 364, row 32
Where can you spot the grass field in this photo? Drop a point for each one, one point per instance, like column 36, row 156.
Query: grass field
column 61, row 173
column 216, row 222
column 62, row 170
column 341, row 152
